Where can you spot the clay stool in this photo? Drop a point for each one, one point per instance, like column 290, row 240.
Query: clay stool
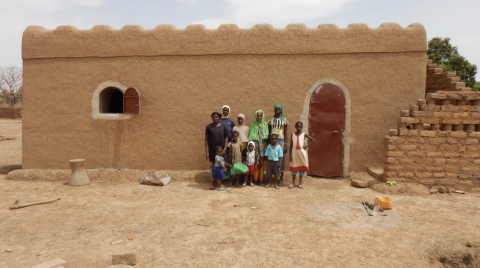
column 79, row 176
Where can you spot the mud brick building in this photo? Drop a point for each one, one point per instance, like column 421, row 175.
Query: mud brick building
column 139, row 99
column 437, row 142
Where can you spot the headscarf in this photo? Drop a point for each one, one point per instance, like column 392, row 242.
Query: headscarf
column 278, row 105
column 253, row 143
column 242, row 116
column 255, row 125
column 225, row 106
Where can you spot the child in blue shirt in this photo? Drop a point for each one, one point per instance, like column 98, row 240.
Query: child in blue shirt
column 274, row 153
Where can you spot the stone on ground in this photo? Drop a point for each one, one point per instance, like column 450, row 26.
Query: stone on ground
column 52, row 264
column 359, row 184
column 377, row 173
column 128, row 259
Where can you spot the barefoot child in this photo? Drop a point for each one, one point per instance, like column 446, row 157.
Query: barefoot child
column 274, row 153
column 259, row 135
column 251, row 160
column 235, row 153
column 219, row 167
column 298, row 154
column 278, row 124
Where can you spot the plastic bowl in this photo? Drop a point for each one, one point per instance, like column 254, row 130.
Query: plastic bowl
column 383, row 202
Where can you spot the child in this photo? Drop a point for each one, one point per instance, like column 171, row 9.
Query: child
column 242, row 137
column 274, row 153
column 242, row 131
column 251, row 160
column 235, row 153
column 219, row 167
column 298, row 154
column 278, row 124
column 259, row 135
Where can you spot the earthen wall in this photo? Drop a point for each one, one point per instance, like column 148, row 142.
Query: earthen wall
column 185, row 75
column 438, row 80
column 10, row 112
column 437, row 142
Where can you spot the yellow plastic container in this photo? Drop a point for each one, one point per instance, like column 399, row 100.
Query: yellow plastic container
column 383, row 202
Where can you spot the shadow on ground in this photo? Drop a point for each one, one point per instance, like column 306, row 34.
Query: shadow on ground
column 5, row 169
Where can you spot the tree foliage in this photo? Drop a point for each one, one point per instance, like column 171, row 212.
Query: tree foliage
column 11, row 79
column 446, row 56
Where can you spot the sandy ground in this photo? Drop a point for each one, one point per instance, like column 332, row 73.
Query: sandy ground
column 185, row 225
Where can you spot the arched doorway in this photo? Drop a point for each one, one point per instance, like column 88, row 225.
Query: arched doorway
column 327, row 118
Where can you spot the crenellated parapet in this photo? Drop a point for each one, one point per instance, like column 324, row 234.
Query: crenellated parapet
column 261, row 39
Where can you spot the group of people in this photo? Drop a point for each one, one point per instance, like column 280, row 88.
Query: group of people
column 260, row 146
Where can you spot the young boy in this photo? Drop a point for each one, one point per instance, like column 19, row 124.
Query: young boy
column 220, row 167
column 274, row 153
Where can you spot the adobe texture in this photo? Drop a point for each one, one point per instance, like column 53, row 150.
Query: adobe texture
column 442, row 145
column 185, row 75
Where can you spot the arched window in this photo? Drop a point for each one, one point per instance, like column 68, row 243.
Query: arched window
column 111, row 101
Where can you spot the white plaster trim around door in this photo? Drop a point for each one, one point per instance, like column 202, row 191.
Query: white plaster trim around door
column 348, row 138
column 96, row 102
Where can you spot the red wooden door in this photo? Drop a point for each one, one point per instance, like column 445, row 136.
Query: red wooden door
column 131, row 101
column 326, row 126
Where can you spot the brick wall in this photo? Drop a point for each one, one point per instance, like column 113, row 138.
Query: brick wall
column 10, row 112
column 437, row 142
column 438, row 80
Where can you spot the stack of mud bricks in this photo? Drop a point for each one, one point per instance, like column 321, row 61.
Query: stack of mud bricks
column 437, row 142
column 438, row 80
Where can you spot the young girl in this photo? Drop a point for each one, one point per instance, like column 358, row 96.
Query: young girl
column 235, row 153
column 220, row 167
column 242, row 131
column 259, row 135
column 243, row 138
column 251, row 160
column 298, row 154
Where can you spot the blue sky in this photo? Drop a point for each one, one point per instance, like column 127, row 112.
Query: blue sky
column 457, row 20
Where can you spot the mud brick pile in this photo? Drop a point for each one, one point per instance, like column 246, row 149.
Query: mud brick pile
column 438, row 80
column 437, row 142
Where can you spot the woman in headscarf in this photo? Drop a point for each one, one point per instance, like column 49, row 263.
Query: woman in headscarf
column 259, row 135
column 278, row 124
column 216, row 134
column 229, row 124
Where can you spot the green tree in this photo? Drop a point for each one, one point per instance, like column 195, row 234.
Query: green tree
column 446, row 56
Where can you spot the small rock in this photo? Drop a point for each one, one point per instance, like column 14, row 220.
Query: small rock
column 116, row 242
column 469, row 244
column 441, row 190
column 447, row 191
column 433, row 191
column 129, row 259
column 51, row 264
column 359, row 184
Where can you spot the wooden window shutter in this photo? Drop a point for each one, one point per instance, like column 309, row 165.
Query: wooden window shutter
column 131, row 101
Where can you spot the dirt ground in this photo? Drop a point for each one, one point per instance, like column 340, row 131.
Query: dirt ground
column 184, row 224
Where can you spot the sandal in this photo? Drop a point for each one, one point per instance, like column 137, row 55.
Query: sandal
column 243, row 185
column 291, row 186
column 212, row 187
column 267, row 185
column 229, row 189
column 221, row 188
column 300, row 186
column 251, row 184
column 277, row 187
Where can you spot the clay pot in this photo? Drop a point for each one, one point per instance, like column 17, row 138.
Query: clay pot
column 79, row 176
